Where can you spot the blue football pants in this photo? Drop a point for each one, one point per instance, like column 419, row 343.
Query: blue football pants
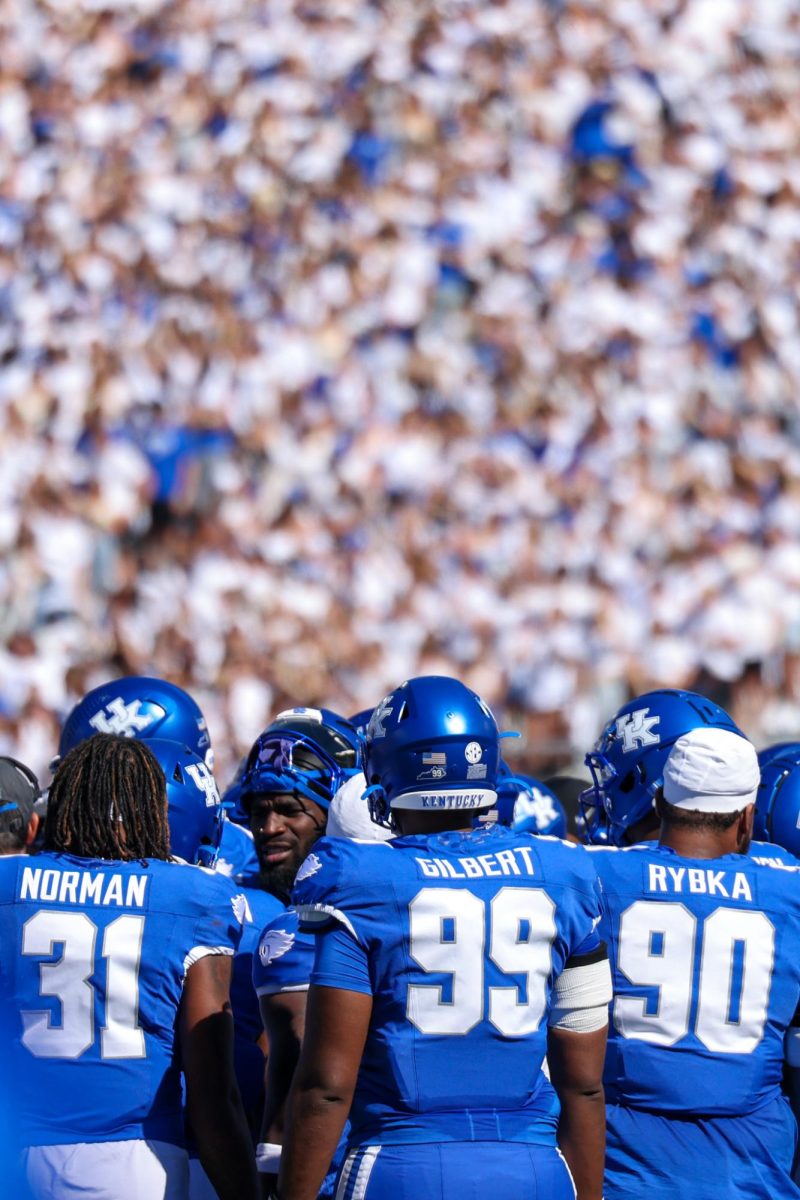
column 660, row 1157
column 455, row 1171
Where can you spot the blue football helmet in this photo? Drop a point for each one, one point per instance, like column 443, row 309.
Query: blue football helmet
column 591, row 822
column 195, row 812
column 307, row 752
column 140, row 707
column 232, row 797
column 433, row 744
column 627, row 763
column 361, row 720
column 778, row 802
column 527, row 805
column 777, row 750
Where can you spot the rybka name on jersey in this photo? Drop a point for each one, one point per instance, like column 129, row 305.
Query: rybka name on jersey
column 699, row 881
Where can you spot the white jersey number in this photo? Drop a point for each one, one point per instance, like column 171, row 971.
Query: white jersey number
column 448, row 935
column 657, row 950
column 68, row 979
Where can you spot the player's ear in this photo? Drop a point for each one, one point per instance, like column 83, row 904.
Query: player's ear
column 744, row 828
column 32, row 830
column 658, row 801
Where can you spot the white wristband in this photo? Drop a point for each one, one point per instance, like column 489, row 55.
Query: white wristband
column 268, row 1158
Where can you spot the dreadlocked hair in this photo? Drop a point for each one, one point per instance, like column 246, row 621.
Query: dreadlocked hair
column 108, row 799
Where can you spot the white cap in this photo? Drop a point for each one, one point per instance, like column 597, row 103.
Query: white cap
column 711, row 770
column 348, row 815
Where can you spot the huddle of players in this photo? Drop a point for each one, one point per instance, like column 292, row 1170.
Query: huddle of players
column 426, row 976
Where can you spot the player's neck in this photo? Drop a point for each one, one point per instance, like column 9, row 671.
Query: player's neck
column 701, row 843
column 410, row 822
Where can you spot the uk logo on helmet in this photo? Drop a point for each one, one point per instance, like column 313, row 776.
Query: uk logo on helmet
column 537, row 805
column 376, row 727
column 125, row 720
column 205, row 782
column 636, row 730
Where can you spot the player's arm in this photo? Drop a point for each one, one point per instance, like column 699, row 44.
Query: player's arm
column 213, row 1102
column 283, row 1015
column 576, row 1050
column 322, row 1091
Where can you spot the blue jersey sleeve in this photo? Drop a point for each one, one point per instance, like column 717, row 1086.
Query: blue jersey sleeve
column 237, row 856
column 581, row 903
column 340, row 962
column 331, row 885
column 222, row 914
column 588, row 948
column 285, row 957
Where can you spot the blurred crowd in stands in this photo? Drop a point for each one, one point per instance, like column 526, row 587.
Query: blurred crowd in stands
column 345, row 341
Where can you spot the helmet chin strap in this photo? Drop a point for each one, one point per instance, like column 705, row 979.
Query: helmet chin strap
column 318, row 824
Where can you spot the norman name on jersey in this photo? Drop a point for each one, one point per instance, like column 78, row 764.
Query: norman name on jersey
column 83, row 887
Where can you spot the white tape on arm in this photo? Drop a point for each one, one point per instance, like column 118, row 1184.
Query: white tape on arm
column 581, row 996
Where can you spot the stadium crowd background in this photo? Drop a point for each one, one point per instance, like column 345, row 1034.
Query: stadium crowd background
column 342, row 342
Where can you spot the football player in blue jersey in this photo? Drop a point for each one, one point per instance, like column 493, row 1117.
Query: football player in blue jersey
column 292, row 771
column 170, row 721
column 628, row 759
column 281, row 977
column 114, row 974
column 448, row 960
column 705, row 950
column 289, row 778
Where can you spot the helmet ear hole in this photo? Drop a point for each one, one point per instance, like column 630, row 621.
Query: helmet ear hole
column 626, row 784
column 404, row 714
